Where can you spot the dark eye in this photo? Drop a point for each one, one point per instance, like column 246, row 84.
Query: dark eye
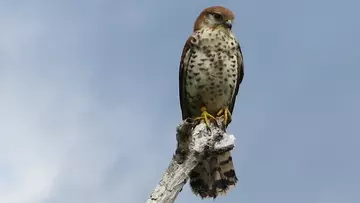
column 217, row 16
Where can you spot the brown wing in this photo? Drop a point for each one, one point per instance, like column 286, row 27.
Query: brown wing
column 240, row 77
column 185, row 57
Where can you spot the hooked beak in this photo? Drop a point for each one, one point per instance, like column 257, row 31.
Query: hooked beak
column 228, row 24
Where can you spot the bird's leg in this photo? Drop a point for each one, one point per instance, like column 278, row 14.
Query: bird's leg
column 227, row 115
column 205, row 116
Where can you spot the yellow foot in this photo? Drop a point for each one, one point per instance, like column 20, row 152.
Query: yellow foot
column 227, row 115
column 205, row 116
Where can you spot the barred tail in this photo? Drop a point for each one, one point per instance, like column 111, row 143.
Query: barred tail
column 213, row 176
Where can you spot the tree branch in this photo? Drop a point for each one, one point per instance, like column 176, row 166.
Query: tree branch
column 202, row 143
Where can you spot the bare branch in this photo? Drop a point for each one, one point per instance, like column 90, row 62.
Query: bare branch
column 202, row 143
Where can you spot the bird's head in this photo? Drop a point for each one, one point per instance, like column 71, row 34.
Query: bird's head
column 215, row 17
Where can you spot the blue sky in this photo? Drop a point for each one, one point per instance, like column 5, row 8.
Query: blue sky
column 89, row 99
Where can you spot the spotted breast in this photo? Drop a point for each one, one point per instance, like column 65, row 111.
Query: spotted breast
column 212, row 70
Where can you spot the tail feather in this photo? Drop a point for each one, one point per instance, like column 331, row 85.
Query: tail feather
column 213, row 176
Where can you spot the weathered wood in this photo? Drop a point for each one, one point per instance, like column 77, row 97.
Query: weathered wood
column 201, row 143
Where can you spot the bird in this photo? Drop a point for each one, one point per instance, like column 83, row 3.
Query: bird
column 210, row 73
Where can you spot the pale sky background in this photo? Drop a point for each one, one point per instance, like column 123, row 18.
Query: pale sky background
column 89, row 99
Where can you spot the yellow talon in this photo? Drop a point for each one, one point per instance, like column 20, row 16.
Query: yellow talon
column 227, row 115
column 205, row 116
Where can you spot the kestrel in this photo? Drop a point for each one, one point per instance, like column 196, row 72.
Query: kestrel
column 211, row 70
